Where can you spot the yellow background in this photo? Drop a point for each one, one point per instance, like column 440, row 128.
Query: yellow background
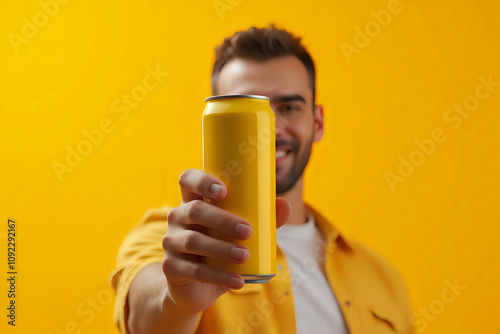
column 440, row 224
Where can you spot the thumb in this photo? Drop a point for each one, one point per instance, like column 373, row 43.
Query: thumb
column 283, row 209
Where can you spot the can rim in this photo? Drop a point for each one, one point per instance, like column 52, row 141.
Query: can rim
column 218, row 97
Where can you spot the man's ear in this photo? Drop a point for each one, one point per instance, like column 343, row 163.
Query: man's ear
column 318, row 123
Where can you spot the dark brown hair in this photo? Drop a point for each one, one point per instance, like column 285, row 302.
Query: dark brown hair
column 261, row 45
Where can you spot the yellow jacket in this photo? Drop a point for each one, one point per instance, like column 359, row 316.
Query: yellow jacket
column 370, row 292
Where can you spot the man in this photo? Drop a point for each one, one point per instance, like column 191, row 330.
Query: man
column 325, row 283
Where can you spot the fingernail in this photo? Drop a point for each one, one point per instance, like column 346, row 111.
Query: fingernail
column 239, row 254
column 215, row 190
column 235, row 282
column 243, row 231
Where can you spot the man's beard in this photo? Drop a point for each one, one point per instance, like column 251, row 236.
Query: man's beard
column 299, row 163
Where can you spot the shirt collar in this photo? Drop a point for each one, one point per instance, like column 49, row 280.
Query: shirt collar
column 330, row 232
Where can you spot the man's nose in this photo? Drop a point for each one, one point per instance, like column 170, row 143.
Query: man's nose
column 280, row 124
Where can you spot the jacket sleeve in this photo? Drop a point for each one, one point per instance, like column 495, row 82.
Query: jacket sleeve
column 141, row 247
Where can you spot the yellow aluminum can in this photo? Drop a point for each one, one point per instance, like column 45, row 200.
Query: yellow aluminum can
column 238, row 136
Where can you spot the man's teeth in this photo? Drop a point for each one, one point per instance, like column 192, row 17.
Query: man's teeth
column 280, row 154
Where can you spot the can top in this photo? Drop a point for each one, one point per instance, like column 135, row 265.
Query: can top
column 218, row 97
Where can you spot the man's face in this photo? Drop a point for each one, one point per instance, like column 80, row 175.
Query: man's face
column 298, row 123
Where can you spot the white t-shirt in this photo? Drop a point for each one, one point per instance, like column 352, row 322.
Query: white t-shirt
column 316, row 309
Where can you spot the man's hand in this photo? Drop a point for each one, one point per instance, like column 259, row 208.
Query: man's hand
column 192, row 285
column 157, row 304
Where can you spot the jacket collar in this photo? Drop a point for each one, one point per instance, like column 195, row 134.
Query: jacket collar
column 330, row 232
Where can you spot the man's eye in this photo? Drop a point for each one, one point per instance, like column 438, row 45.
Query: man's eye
column 288, row 109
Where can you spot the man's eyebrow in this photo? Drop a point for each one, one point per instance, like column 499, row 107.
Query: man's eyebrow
column 288, row 98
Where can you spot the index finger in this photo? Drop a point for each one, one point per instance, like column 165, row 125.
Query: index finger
column 196, row 183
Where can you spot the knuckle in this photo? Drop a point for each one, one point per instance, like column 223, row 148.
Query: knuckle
column 195, row 271
column 166, row 241
column 184, row 176
column 168, row 265
column 194, row 209
column 172, row 215
column 223, row 219
column 204, row 184
column 219, row 249
column 191, row 239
